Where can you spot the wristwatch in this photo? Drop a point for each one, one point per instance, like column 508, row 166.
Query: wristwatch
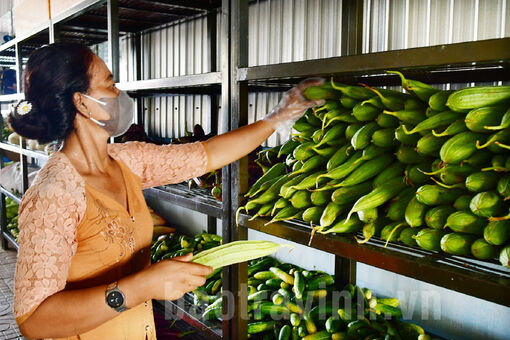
column 115, row 298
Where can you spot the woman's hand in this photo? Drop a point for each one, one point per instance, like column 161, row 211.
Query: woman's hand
column 171, row 279
column 292, row 105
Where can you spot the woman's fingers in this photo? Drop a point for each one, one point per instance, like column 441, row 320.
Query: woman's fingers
column 184, row 258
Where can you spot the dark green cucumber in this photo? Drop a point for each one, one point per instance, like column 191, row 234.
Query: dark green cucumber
column 482, row 181
column 483, row 250
column 348, row 102
column 487, row 204
column 431, row 194
column 364, row 112
column 415, row 213
column 313, row 214
column 344, row 226
column 404, row 138
column 407, row 155
column 454, row 128
column 321, row 198
column 386, row 121
column 368, row 170
column 460, row 147
column 351, row 194
column 429, row 239
column 363, row 136
column 436, row 217
column 503, row 187
column 384, row 138
column 301, row 199
column 304, row 151
column 412, row 117
column 466, row 222
column 415, row 173
column 438, row 100
column 477, row 119
column 394, row 170
column 331, row 213
column 276, row 170
column 429, row 145
column 497, row 233
column 406, row 236
column 441, row 119
column 457, row 243
column 397, row 207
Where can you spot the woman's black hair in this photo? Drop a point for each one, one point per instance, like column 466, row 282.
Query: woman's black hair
column 52, row 75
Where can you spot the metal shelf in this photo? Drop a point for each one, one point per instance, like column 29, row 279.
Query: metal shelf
column 8, row 236
column 467, row 61
column 462, row 274
column 185, row 309
column 10, row 194
column 29, row 153
column 12, row 97
column 197, row 199
column 204, row 81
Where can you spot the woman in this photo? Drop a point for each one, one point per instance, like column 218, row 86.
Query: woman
column 85, row 231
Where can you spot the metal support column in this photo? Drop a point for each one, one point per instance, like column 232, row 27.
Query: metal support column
column 113, row 37
column 352, row 27
column 213, row 52
column 54, row 32
column 19, row 67
column 345, row 271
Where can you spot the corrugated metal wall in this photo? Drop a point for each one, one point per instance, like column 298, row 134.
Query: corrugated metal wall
column 295, row 30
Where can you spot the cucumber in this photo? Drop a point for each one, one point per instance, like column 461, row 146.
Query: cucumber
column 406, row 236
column 454, row 128
column 497, row 233
column 320, row 282
column 351, row 130
column 477, row 119
column 313, row 214
column 384, row 138
column 429, row 145
column 466, row 222
column 407, row 155
column 436, row 217
column 287, row 148
column 322, row 335
column 359, row 329
column 345, row 168
column 504, row 256
column 304, row 151
column 295, row 319
column 343, row 226
column 487, row 204
column 311, row 328
column 333, row 136
column 285, row 333
column 388, row 311
column 429, row 239
column 260, row 326
column 457, row 243
column 441, row 119
column 362, row 137
column 462, row 203
column 415, row 213
column 394, row 170
column 392, row 231
column 321, row 198
column 460, row 147
column 333, row 324
column 286, row 190
column 311, row 164
column 350, row 194
column 348, row 102
column 299, row 284
column 368, row 215
column 503, row 187
column 325, row 91
column 260, row 295
column 273, row 283
column 301, row 199
column 277, row 299
column 408, row 330
column 368, row 170
column 415, row 173
column 397, row 207
column 438, row 100
column 339, row 157
column 276, row 170
column 404, row 138
column 483, row 250
column 365, row 113
column 431, row 194
column 386, row 121
column 482, row 181
column 475, row 97
column 412, row 117
column 310, row 181
column 331, row 213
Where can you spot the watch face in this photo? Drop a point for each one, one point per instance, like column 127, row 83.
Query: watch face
column 115, row 299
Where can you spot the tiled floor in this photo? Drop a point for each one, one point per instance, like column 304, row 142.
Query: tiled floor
column 8, row 328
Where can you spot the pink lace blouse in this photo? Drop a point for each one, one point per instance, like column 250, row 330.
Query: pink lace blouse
column 53, row 207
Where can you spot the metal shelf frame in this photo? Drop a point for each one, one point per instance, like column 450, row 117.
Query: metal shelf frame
column 486, row 60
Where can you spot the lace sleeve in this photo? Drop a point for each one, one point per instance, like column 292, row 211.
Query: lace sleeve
column 48, row 217
column 162, row 164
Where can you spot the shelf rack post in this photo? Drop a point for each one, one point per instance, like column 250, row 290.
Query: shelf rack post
column 113, row 37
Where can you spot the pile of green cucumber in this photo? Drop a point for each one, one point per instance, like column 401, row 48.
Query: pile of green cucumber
column 171, row 245
column 427, row 167
column 287, row 302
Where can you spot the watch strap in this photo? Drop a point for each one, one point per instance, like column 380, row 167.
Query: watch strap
column 113, row 289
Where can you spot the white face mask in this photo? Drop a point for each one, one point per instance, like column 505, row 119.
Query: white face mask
column 121, row 111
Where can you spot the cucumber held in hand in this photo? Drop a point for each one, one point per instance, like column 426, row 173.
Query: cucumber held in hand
column 236, row 252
